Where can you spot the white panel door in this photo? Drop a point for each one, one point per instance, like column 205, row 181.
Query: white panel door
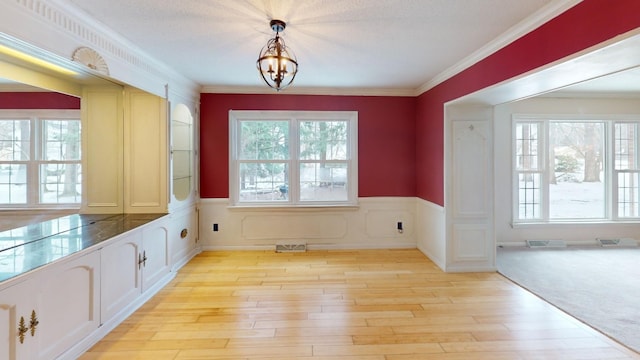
column 469, row 190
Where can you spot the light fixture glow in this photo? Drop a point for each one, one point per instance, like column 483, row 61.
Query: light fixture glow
column 36, row 61
column 276, row 63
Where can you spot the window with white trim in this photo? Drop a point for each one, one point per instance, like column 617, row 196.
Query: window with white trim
column 293, row 158
column 40, row 159
column 575, row 170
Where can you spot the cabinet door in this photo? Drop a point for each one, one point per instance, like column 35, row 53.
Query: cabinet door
column 16, row 305
column 145, row 152
column 68, row 305
column 155, row 254
column 182, row 236
column 120, row 280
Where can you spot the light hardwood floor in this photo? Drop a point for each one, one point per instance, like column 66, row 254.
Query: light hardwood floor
column 347, row 305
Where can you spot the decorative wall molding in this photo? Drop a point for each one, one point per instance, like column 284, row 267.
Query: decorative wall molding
column 91, row 59
column 67, row 19
column 320, row 228
column 430, row 229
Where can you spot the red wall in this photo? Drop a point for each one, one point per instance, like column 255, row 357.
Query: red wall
column 38, row 100
column 586, row 24
column 386, row 138
column 392, row 128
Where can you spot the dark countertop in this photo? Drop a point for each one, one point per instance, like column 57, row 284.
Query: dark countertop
column 29, row 247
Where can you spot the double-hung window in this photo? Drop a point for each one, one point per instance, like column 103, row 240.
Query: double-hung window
column 293, row 158
column 40, row 159
column 568, row 169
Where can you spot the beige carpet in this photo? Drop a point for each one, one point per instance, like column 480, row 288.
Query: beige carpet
column 599, row 286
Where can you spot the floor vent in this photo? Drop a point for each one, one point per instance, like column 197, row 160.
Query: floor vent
column 545, row 243
column 617, row 242
column 281, row 248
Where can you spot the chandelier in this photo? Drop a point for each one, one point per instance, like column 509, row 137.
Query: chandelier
column 277, row 64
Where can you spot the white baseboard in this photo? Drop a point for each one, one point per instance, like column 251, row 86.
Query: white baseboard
column 470, row 268
column 313, row 247
column 178, row 265
column 433, row 258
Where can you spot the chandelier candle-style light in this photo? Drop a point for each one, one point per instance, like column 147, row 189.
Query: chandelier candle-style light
column 277, row 64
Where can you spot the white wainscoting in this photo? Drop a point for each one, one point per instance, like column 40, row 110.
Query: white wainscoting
column 431, row 231
column 371, row 225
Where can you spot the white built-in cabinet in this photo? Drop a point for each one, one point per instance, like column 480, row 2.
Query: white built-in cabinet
column 132, row 263
column 63, row 308
column 49, row 311
column 125, row 151
column 16, row 306
column 146, row 152
column 154, row 264
column 183, row 236
column 120, row 273
column 102, row 150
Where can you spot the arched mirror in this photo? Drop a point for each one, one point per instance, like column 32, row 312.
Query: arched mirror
column 182, row 151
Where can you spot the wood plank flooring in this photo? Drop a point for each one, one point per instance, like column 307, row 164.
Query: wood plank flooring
column 347, row 305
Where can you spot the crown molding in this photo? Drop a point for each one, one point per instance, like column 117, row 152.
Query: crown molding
column 83, row 30
column 524, row 27
column 294, row 90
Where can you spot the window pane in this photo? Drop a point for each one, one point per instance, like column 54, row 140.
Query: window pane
column 529, row 196
column 527, row 146
column 13, row 183
column 576, row 186
column 61, row 140
column 323, row 140
column 626, row 146
column 263, row 182
column 60, row 184
column 323, row 182
column 14, row 140
column 264, row 140
column 628, row 194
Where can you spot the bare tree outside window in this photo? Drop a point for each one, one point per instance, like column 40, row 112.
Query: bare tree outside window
column 293, row 157
column 40, row 158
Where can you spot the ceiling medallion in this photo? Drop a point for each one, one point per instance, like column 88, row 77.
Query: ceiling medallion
column 277, row 64
column 91, row 59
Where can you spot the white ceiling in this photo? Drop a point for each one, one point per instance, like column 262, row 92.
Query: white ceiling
column 620, row 84
column 358, row 44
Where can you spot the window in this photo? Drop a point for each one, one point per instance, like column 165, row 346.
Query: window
column 575, row 170
column 293, row 158
column 40, row 159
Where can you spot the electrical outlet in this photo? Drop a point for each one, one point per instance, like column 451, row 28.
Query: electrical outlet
column 215, row 227
column 400, row 226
